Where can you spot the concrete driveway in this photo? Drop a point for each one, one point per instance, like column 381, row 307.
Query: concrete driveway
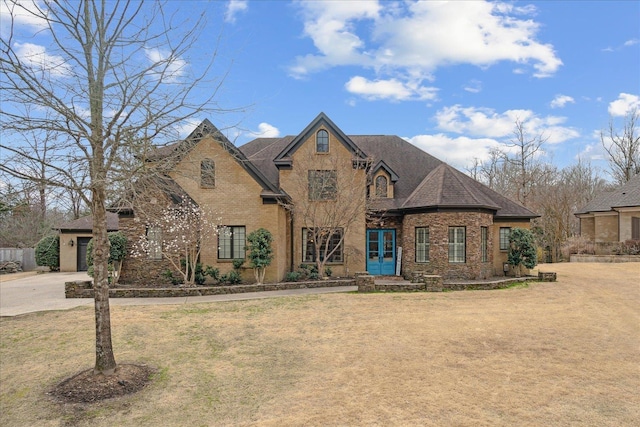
column 28, row 293
column 37, row 292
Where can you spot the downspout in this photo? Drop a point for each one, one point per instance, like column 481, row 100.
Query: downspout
column 291, row 255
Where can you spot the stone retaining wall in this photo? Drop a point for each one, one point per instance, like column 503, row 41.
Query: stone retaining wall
column 84, row 289
column 604, row 258
column 434, row 283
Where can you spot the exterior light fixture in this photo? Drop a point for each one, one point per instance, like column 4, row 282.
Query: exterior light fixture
column 71, row 242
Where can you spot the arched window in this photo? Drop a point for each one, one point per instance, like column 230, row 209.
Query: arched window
column 207, row 173
column 322, row 141
column 381, row 186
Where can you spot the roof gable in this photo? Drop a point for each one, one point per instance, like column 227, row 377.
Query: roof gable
column 382, row 165
column 284, row 158
column 176, row 152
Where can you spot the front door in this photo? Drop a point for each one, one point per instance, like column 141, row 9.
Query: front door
column 381, row 252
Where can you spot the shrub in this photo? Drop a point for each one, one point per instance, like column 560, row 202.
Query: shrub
column 233, row 277
column 117, row 250
column 214, row 273
column 48, row 252
column 292, row 276
column 175, row 280
column 260, row 252
column 522, row 249
column 577, row 245
column 328, row 271
column 628, row 247
column 237, row 263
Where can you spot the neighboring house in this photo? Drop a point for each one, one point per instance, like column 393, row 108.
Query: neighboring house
column 74, row 238
column 612, row 216
column 445, row 222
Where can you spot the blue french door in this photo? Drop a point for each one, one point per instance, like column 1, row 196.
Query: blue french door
column 381, row 252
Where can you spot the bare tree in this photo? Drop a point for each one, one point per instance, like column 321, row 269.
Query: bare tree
column 109, row 70
column 328, row 199
column 525, row 161
column 623, row 148
column 179, row 231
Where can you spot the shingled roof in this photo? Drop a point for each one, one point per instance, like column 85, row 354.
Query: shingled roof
column 85, row 223
column 627, row 195
column 422, row 181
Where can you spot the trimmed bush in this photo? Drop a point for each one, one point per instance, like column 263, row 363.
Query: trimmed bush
column 117, row 252
column 48, row 253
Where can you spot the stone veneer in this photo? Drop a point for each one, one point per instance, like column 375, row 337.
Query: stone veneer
column 439, row 222
column 84, row 289
column 139, row 269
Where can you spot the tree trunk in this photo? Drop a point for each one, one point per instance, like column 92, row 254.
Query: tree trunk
column 105, row 360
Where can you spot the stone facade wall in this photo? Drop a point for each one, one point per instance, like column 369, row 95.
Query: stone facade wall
column 136, row 268
column 84, row 289
column 439, row 223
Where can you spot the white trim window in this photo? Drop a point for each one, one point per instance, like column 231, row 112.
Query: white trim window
column 422, row 244
column 457, row 244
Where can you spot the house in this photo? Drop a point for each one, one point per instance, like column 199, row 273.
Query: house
column 613, row 216
column 398, row 205
column 74, row 238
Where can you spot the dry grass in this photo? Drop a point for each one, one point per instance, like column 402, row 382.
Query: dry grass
column 564, row 353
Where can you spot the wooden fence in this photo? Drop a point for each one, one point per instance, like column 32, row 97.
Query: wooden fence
column 26, row 257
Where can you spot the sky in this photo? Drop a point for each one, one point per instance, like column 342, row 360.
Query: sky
column 450, row 77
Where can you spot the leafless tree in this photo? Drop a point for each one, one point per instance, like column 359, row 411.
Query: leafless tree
column 623, row 148
column 526, row 162
column 109, row 70
column 328, row 198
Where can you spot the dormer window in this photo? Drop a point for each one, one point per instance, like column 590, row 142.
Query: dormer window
column 381, row 186
column 207, row 173
column 322, row 141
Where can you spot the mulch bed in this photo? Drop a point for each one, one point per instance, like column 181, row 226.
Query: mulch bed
column 87, row 387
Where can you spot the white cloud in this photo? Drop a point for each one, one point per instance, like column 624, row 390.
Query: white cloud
column 168, row 69
column 37, row 58
column 487, row 123
column 391, row 89
column 561, row 100
column 631, row 42
column 265, row 130
column 474, row 86
column 233, row 8
column 409, row 41
column 625, row 103
column 458, row 151
column 28, row 13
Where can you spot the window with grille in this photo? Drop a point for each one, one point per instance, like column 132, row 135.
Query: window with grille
column 231, row 242
column 457, row 243
column 323, row 185
column 422, row 244
column 207, row 173
column 504, row 238
column 484, row 237
column 322, row 141
column 328, row 243
column 154, row 238
column 381, row 186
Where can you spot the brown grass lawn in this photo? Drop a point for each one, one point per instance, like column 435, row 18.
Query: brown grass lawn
column 550, row 354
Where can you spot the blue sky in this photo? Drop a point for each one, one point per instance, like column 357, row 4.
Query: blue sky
column 450, row 77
